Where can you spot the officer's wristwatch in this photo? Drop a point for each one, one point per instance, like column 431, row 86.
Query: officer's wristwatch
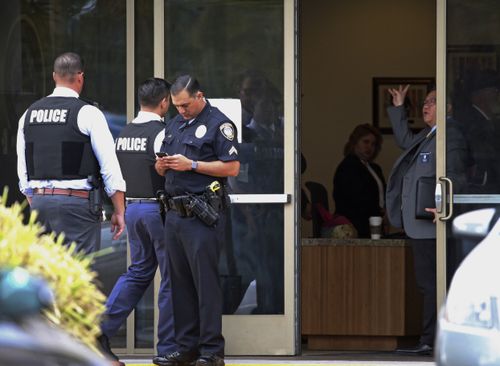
column 194, row 165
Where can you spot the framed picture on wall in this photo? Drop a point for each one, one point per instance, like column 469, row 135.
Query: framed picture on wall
column 413, row 103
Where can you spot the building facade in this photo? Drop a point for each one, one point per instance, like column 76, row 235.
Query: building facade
column 304, row 73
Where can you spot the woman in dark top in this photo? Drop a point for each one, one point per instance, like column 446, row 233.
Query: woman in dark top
column 358, row 184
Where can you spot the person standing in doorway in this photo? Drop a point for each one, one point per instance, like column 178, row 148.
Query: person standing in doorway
column 65, row 157
column 417, row 161
column 136, row 147
column 358, row 183
column 202, row 152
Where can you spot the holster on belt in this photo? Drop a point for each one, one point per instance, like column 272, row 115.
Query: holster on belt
column 161, row 197
column 202, row 209
column 216, row 195
column 96, row 194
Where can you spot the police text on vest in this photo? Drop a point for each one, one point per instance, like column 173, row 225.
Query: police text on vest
column 48, row 116
column 131, row 143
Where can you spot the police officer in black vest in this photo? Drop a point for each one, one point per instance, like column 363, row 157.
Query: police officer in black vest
column 65, row 157
column 136, row 147
column 202, row 152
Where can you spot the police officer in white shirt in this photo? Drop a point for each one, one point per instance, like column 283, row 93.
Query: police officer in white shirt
column 64, row 150
column 135, row 148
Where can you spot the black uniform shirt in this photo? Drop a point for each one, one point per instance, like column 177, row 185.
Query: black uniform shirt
column 209, row 137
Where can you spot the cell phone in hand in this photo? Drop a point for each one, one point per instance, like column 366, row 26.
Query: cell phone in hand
column 161, row 154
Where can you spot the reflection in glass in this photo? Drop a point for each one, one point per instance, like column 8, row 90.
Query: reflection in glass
column 144, row 320
column 252, row 260
column 473, row 84
column 473, row 118
column 144, row 52
column 459, row 246
column 235, row 48
column 143, row 69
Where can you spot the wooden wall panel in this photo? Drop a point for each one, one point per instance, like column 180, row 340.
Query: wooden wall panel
column 359, row 290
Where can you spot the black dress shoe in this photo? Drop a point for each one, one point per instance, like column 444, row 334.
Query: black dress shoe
column 105, row 348
column 176, row 359
column 210, row 360
column 421, row 349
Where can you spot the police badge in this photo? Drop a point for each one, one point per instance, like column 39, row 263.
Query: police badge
column 227, row 130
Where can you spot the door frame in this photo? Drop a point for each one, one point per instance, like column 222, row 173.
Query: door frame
column 246, row 334
column 441, row 148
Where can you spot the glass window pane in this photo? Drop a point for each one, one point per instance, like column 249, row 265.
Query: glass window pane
column 143, row 55
column 474, row 105
column 32, row 34
column 143, row 68
column 144, row 320
column 472, row 126
column 236, row 51
column 252, row 260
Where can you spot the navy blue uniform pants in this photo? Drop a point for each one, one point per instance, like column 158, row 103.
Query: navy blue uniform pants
column 194, row 250
column 147, row 252
column 72, row 216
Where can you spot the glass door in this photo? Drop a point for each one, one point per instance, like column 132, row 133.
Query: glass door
column 32, row 35
column 469, row 129
column 244, row 51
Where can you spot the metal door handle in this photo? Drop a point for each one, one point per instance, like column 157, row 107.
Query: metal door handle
column 449, row 190
column 438, row 197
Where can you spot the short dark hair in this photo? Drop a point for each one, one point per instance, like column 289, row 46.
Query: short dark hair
column 68, row 64
column 359, row 132
column 187, row 83
column 151, row 92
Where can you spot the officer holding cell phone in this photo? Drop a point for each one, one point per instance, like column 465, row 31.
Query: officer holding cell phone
column 202, row 152
column 135, row 148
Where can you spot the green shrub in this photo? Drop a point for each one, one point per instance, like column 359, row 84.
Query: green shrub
column 78, row 302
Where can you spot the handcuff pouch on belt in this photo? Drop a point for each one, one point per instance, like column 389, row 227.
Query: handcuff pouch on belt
column 176, row 203
column 180, row 204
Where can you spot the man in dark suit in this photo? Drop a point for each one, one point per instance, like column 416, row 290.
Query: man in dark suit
column 417, row 161
column 477, row 117
column 476, row 114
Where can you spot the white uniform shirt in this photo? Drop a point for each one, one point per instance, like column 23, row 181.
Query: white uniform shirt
column 91, row 122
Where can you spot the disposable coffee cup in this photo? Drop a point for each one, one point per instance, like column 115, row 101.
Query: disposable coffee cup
column 375, row 227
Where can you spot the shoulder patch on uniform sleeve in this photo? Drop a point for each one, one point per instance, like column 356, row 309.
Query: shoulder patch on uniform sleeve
column 227, row 131
column 233, row 150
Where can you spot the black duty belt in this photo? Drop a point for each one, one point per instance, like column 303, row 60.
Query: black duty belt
column 141, row 200
column 190, row 205
column 178, row 204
